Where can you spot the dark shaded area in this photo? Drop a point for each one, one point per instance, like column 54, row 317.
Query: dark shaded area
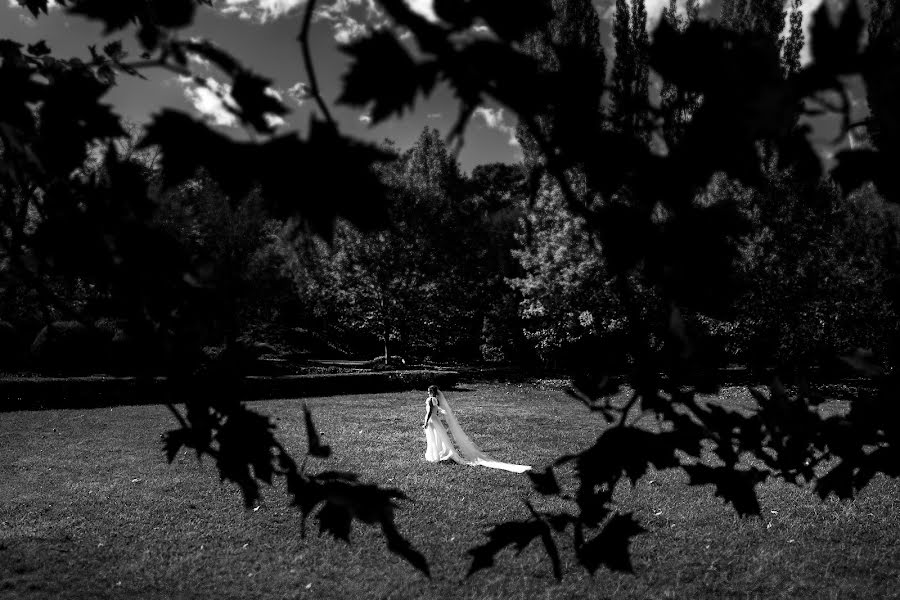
column 677, row 234
column 37, row 393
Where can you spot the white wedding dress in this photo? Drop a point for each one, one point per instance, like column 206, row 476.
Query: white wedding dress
column 445, row 440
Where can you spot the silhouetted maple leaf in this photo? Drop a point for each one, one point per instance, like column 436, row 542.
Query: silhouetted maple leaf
column 518, row 534
column 512, row 19
column 611, row 546
column 544, row 482
column 838, row 481
column 150, row 13
column 174, row 440
column 390, row 91
column 39, row 49
column 114, row 50
column 214, row 54
column 37, row 7
column 114, row 15
column 250, row 92
column 735, row 486
column 335, row 519
column 624, row 451
column 246, row 451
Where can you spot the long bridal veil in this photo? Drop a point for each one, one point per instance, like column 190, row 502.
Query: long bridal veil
column 465, row 450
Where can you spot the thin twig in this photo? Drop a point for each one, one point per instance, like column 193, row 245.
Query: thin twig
column 308, row 63
column 146, row 64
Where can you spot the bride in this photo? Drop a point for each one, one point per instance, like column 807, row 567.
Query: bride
column 445, row 439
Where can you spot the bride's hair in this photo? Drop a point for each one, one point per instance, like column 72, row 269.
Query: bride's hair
column 432, row 390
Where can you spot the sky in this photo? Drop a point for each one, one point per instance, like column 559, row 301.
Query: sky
column 262, row 33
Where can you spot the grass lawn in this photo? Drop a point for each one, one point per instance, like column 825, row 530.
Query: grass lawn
column 90, row 509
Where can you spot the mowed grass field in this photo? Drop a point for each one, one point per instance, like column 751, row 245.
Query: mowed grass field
column 89, row 508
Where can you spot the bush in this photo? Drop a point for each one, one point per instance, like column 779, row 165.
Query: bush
column 70, row 348
column 12, row 350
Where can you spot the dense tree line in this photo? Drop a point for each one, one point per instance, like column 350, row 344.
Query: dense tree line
column 476, row 267
column 428, row 285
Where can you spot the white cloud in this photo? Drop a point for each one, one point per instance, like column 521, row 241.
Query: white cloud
column 261, row 11
column 339, row 8
column 299, row 92
column 213, row 100
column 351, row 19
column 51, row 5
column 199, row 60
column 349, row 30
column 273, row 121
column 365, row 119
column 196, row 58
column 493, row 118
column 274, row 93
column 424, row 8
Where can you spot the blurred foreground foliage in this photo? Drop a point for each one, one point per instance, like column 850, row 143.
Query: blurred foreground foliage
column 653, row 230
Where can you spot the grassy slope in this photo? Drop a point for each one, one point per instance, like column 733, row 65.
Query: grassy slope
column 89, row 508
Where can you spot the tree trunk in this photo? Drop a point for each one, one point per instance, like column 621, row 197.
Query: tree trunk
column 386, row 331
column 404, row 340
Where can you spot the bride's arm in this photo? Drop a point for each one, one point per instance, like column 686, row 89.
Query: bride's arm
column 428, row 412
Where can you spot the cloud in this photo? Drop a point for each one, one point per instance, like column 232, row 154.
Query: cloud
column 261, row 11
column 51, row 5
column 299, row 92
column 196, row 58
column 424, row 8
column 213, row 100
column 351, row 19
column 274, row 93
column 273, row 121
column 365, row 119
column 493, row 118
column 349, row 30
column 339, row 8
